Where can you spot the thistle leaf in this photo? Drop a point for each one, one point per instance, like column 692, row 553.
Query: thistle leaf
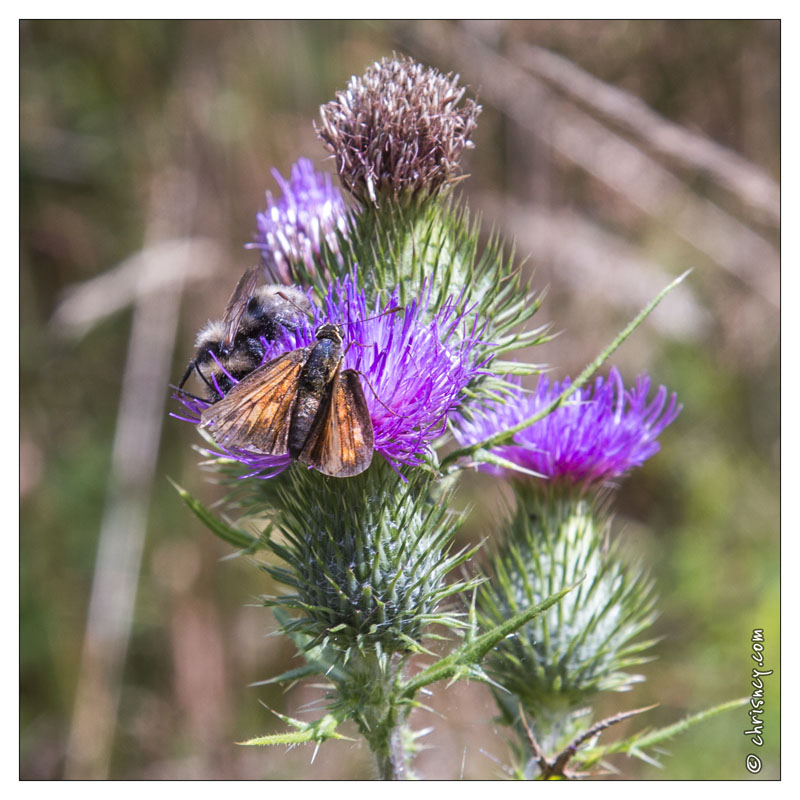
column 472, row 651
column 317, row 731
column 635, row 745
column 233, row 536
column 306, row 671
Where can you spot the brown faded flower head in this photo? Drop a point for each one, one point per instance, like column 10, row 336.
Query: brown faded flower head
column 397, row 129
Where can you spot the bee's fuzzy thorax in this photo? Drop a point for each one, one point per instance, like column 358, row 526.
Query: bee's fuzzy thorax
column 210, row 335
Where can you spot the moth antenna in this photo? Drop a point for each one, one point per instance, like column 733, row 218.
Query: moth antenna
column 393, row 413
column 367, row 319
column 357, row 344
column 377, row 316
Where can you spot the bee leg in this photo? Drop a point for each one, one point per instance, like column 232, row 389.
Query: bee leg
column 184, row 393
column 215, row 390
column 192, row 366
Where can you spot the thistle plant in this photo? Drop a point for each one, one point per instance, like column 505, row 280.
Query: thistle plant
column 429, row 322
column 548, row 674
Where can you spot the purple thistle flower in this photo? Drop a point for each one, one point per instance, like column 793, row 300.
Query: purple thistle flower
column 291, row 230
column 413, row 365
column 599, row 434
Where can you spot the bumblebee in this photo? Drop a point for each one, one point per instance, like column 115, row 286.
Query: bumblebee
column 232, row 347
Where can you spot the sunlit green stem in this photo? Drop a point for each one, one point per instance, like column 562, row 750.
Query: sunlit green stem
column 370, row 694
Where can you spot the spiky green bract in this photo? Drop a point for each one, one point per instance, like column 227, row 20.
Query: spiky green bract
column 556, row 664
column 318, row 731
column 366, row 560
column 366, row 564
column 420, row 246
column 415, row 242
column 365, row 691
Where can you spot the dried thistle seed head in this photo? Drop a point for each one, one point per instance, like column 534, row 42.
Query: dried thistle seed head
column 398, row 129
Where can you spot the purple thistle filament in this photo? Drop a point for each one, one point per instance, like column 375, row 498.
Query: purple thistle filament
column 598, row 435
column 413, row 368
column 291, row 230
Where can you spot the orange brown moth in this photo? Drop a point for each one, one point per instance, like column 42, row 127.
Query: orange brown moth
column 301, row 403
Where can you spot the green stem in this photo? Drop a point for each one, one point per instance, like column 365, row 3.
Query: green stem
column 371, row 693
column 506, row 436
column 392, row 764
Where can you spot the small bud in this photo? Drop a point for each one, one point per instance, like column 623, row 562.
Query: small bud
column 398, row 130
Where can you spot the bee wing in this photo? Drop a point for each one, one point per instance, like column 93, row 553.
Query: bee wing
column 237, row 305
column 255, row 414
column 341, row 440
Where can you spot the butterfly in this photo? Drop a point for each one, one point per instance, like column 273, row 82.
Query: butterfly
column 301, row 403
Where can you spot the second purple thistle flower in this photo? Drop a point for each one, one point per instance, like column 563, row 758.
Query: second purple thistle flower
column 598, row 435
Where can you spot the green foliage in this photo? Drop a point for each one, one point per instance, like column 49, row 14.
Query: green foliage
column 637, row 744
column 318, row 731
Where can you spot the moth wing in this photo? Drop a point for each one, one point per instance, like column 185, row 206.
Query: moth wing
column 237, row 305
column 256, row 413
column 341, row 441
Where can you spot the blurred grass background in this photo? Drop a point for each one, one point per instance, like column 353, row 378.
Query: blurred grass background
column 154, row 140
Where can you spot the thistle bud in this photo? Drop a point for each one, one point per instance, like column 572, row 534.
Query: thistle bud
column 554, row 666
